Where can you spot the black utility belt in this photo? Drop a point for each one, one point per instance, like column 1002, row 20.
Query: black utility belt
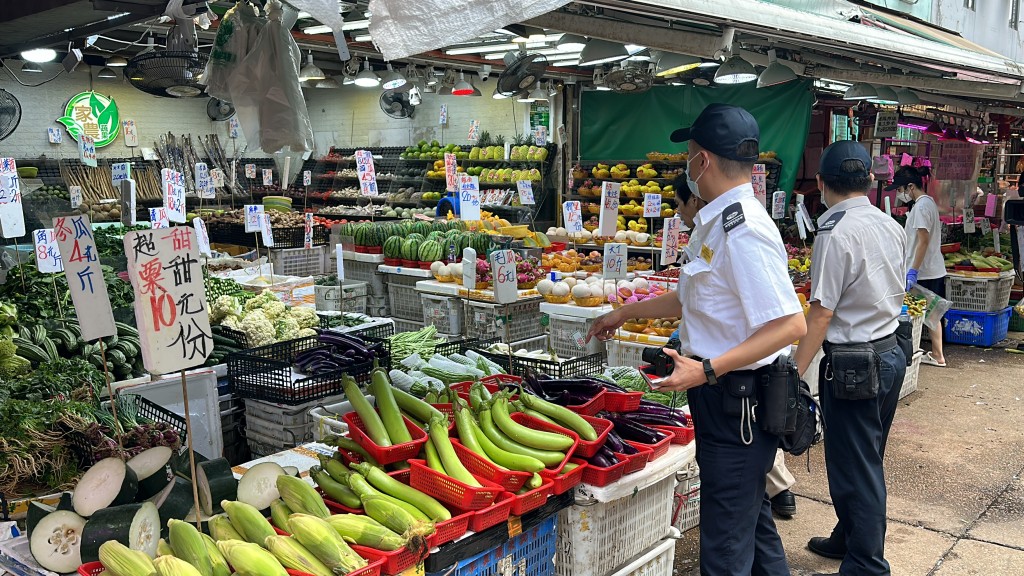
column 767, row 393
column 854, row 370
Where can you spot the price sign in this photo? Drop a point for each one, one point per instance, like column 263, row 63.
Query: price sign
column 87, row 150
column 469, row 197
column 204, row 185
column 366, row 173
column 12, row 215
column 474, row 131
column 887, row 124
column 525, row 189
column 995, row 242
column 217, row 177
column 174, row 194
column 128, row 213
column 503, row 272
column 444, row 115
column 131, row 133
column 307, row 177
column 268, row 177
column 250, row 170
column 451, row 178
column 47, row 252
column 969, row 221
column 608, row 218
column 77, row 246
column 120, row 171
column 170, row 299
column 158, row 218
column 307, row 232
column 990, row 205
column 202, row 236
column 253, row 217
column 670, row 240
column 469, row 268
column 759, row 181
column 54, row 135
column 540, row 136
column 233, row 129
column 338, row 249
column 234, row 172
column 76, row 196
column 778, row 205
column 572, row 215
column 985, row 225
column 614, row 261
column 652, row 205
column 806, row 217
column 266, row 230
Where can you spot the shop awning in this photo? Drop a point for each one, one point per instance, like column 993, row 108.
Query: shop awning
column 925, row 30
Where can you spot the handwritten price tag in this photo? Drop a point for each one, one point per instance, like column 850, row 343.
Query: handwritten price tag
column 572, row 215
column 469, row 198
column 174, row 194
column 268, row 177
column 525, row 189
column 367, row 173
column 307, row 232
column 202, row 236
column 267, row 230
column 779, row 205
column 652, row 205
column 76, row 196
column 503, row 272
column 670, row 240
column 120, row 171
column 12, row 214
column 253, row 217
column 759, row 181
column 614, row 261
column 250, row 170
column 85, row 277
column 608, row 218
column 158, row 218
column 307, row 177
column 450, row 172
column 47, row 252
column 87, row 150
column 217, row 176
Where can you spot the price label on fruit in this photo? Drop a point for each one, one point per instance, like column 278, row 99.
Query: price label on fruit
column 615, row 256
column 670, row 240
column 450, row 169
column 759, row 181
column 652, row 205
column 469, row 198
column 572, row 215
column 608, row 222
column 525, row 189
column 503, row 273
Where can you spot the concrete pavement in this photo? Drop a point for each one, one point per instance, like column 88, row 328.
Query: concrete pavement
column 954, row 468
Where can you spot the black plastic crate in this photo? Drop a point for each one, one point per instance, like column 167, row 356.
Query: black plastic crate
column 283, row 237
column 381, row 332
column 265, row 373
column 146, row 411
column 589, row 365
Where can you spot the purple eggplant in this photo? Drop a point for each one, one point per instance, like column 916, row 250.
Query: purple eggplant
column 628, row 449
column 652, row 419
column 615, row 443
column 630, row 430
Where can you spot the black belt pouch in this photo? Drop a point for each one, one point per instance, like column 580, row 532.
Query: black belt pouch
column 856, row 371
column 773, row 397
column 905, row 339
column 739, row 386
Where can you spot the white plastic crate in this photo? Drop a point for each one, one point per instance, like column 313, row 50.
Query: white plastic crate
column 404, row 299
column 979, row 294
column 443, row 312
column 686, row 500
column 360, row 272
column 349, row 297
column 260, row 445
column 283, row 414
column 298, row 261
column 621, row 353
column 910, row 379
column 566, row 333
column 280, row 433
column 377, row 306
column 508, row 322
column 916, row 331
column 657, row 561
column 327, row 419
column 406, row 325
column 590, row 538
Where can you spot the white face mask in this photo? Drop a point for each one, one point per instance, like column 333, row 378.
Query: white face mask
column 904, row 197
column 692, row 182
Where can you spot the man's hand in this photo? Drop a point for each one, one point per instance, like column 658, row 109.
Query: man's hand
column 687, row 373
column 605, row 326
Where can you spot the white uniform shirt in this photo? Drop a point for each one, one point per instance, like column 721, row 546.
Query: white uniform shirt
column 738, row 280
column 857, row 271
column 925, row 215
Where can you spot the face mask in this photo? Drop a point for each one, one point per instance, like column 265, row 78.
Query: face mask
column 691, row 182
column 904, row 197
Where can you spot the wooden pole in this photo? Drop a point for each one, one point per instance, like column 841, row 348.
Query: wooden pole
column 191, row 452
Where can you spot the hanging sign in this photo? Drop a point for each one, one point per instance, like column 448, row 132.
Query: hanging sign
column 469, row 197
column 451, row 178
column 778, row 205
column 614, row 261
column 174, row 194
column 158, row 218
column 268, row 177
column 253, row 217
column 87, row 150
column 75, row 193
column 887, row 124
column 127, row 191
column 338, row 251
column 170, row 299
column 88, row 289
column 202, row 237
column 652, row 205
column 572, row 215
column 47, row 253
column 444, row 115
column 266, row 230
column 608, row 218
column 120, row 171
column 131, row 134
column 307, row 231
column 54, row 135
column 250, row 170
column 366, row 173
column 469, row 268
column 94, row 115
column 759, row 181
column 670, row 240
column 503, row 272
column 307, row 177
column 525, row 189
column 233, row 128
column 12, row 214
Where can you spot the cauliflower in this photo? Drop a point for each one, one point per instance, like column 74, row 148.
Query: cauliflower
column 259, row 301
column 305, row 332
column 223, row 307
column 305, row 316
column 286, row 328
column 274, row 309
column 258, row 329
column 233, row 322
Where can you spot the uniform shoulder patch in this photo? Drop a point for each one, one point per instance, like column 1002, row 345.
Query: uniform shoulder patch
column 829, row 224
column 733, row 216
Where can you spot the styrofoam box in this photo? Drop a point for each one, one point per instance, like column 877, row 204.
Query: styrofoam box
column 657, row 561
column 203, row 406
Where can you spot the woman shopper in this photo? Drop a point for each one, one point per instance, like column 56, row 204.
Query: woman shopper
column 925, row 265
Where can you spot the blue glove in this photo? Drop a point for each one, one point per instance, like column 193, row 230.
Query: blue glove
column 911, row 278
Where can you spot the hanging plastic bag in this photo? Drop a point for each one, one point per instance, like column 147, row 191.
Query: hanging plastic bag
column 935, row 308
column 236, row 36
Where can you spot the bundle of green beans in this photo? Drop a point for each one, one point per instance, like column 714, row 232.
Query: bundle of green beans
column 422, row 342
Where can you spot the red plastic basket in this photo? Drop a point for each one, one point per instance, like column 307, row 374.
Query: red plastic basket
column 451, row 491
column 449, row 530
column 537, row 424
column 523, row 503
column 565, row 482
column 497, row 380
column 509, row 480
column 394, row 562
column 636, row 462
column 338, row 507
column 493, row 515
column 622, row 401
column 373, row 568
column 680, row 434
column 446, row 409
column 598, row 476
column 592, row 407
column 586, row 448
column 401, row 475
column 657, row 450
column 390, row 454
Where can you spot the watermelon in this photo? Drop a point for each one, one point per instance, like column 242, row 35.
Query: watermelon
column 421, row 227
column 430, row 251
column 414, row 236
column 410, row 248
column 480, row 242
column 435, row 236
column 363, row 234
column 393, row 247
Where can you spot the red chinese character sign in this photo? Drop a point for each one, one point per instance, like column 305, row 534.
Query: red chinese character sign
column 366, row 173
column 12, row 215
column 170, row 301
column 88, row 289
column 47, row 254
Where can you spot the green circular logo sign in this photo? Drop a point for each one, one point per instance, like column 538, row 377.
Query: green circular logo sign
column 92, row 114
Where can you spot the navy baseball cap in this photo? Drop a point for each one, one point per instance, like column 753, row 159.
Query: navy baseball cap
column 720, row 129
column 832, row 158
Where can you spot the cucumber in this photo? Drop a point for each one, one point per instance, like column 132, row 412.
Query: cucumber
column 32, row 353
column 110, row 482
column 56, row 541
column 137, row 526
column 216, row 483
column 258, row 486
column 126, row 330
column 153, row 469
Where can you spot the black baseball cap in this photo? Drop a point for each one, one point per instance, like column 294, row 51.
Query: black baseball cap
column 833, row 157
column 901, row 180
column 720, row 129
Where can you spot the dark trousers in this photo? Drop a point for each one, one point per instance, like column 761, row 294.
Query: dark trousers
column 737, row 533
column 855, row 435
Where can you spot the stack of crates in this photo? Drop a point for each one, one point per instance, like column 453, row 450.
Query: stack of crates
column 271, row 428
column 516, row 322
column 531, row 553
column 980, row 313
column 232, row 424
column 444, row 313
column 300, row 262
column 404, row 301
column 376, row 293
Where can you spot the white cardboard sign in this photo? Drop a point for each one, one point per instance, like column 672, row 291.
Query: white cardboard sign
column 609, row 209
column 367, row 173
column 202, row 237
column 87, row 150
column 451, row 178
column 174, row 194
column 525, row 189
column 250, row 170
column 88, row 289
column 307, row 231
column 615, row 256
column 120, row 171
column 131, row 133
column 338, row 249
column 12, row 214
column 268, row 176
column 76, row 196
column 48, row 259
column 572, row 215
column 469, row 197
column 267, row 230
column 158, row 218
column 759, row 181
column 778, row 205
column 652, row 205
column 503, row 272
column 670, row 240
column 469, row 268
column 253, row 217
column 307, row 177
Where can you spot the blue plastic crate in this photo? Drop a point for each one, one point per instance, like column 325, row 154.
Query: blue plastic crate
column 531, row 553
column 976, row 328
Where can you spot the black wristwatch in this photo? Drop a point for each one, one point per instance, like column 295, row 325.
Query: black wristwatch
column 710, row 372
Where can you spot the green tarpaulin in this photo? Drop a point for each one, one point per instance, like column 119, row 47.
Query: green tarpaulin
column 623, row 127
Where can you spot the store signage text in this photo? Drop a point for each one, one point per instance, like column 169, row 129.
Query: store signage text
column 92, row 114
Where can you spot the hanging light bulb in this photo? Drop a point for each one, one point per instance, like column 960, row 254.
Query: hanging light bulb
column 462, row 88
column 311, row 71
column 393, row 79
column 538, row 95
column 367, row 78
